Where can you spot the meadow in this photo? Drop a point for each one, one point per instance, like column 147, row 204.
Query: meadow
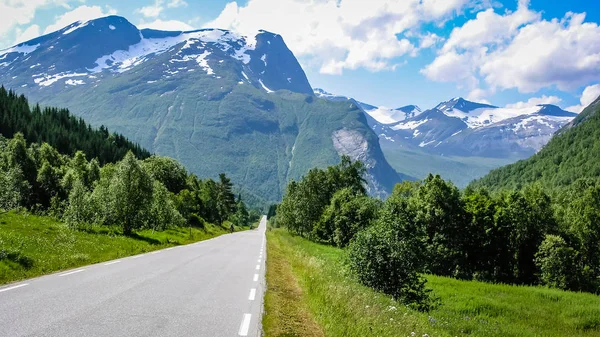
column 35, row 245
column 330, row 302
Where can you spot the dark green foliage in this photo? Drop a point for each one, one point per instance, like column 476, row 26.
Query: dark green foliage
column 305, row 201
column 347, row 214
column 131, row 194
column 387, row 261
column 519, row 237
column 558, row 263
column 57, row 127
column 168, row 171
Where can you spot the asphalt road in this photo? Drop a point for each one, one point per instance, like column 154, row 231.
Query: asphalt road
column 211, row 288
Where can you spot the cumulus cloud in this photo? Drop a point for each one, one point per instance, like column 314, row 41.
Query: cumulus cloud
column 168, row 25
column 21, row 12
column 536, row 101
column 81, row 13
column 151, row 11
column 29, row 33
column 177, row 3
column 336, row 35
column 519, row 50
column 589, row 95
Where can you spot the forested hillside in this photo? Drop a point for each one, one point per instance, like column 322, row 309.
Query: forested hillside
column 572, row 154
column 57, row 127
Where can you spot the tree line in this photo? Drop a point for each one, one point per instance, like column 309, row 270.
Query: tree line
column 521, row 237
column 66, row 133
column 156, row 192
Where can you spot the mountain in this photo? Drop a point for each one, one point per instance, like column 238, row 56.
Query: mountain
column 461, row 127
column 459, row 139
column 375, row 115
column 570, row 155
column 212, row 99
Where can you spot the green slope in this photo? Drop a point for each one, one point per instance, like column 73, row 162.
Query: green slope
column 572, row 154
column 233, row 128
column 460, row 170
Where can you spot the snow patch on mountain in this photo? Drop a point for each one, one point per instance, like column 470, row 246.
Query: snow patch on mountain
column 385, row 115
column 124, row 60
column 410, row 125
column 22, row 48
column 74, row 27
column 485, row 116
column 45, row 80
column 537, row 120
column 265, row 87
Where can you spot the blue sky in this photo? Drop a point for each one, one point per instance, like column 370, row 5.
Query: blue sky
column 385, row 52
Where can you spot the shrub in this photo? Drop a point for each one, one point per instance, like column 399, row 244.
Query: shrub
column 387, row 263
column 196, row 221
column 557, row 263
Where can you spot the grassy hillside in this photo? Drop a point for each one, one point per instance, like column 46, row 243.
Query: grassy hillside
column 34, row 245
column 572, row 154
column 460, row 170
column 342, row 307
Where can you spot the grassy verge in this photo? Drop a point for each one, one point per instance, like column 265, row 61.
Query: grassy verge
column 286, row 313
column 31, row 245
column 342, row 307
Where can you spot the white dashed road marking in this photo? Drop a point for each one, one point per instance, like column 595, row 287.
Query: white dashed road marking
column 114, row 262
column 255, row 277
column 258, row 267
column 72, row 272
column 252, row 294
column 245, row 325
column 14, row 287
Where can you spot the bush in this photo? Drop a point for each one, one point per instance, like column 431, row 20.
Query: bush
column 347, row 213
column 557, row 263
column 196, row 221
column 387, row 263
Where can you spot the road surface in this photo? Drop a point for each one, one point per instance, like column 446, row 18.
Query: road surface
column 210, row 288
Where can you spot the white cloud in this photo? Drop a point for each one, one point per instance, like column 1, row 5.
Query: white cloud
column 563, row 53
column 153, row 10
column 429, row 40
column 21, row 12
column 335, row 35
column 169, row 25
column 453, row 67
column 479, row 95
column 177, row 3
column 81, row 13
column 589, row 95
column 519, row 50
column 535, row 101
column 29, row 33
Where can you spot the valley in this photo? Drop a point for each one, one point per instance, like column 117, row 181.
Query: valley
column 299, row 168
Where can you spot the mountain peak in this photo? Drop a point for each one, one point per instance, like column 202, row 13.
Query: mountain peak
column 462, row 104
column 86, row 52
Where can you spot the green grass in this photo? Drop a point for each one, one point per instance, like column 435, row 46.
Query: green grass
column 460, row 170
column 342, row 307
column 32, row 245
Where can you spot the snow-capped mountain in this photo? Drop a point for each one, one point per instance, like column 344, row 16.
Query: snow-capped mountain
column 461, row 127
column 380, row 115
column 214, row 100
column 72, row 56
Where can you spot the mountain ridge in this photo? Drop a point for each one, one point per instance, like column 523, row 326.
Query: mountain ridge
column 212, row 99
